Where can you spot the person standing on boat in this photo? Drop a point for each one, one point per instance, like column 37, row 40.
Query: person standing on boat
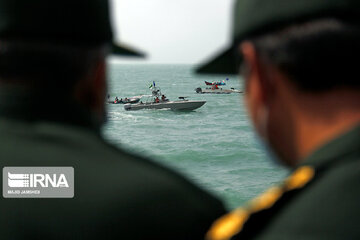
column 59, row 48
column 302, row 91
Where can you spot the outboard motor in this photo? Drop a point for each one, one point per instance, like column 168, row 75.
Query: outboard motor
column 198, row 90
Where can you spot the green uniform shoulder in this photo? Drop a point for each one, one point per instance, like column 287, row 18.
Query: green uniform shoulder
column 232, row 223
column 319, row 199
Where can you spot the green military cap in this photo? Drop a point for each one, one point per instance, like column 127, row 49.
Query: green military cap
column 73, row 22
column 254, row 17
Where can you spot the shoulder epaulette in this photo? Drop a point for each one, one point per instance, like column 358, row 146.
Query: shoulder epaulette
column 232, row 223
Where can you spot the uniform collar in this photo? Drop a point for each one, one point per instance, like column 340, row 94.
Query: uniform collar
column 24, row 105
column 336, row 149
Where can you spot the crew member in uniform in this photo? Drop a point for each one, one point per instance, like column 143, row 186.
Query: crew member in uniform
column 300, row 65
column 58, row 48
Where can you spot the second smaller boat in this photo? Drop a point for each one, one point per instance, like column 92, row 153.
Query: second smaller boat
column 216, row 90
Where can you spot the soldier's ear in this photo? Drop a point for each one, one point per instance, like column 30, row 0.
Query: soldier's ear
column 99, row 87
column 256, row 73
column 252, row 74
column 91, row 90
column 99, row 83
column 257, row 92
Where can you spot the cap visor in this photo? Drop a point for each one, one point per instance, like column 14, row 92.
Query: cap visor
column 127, row 51
column 224, row 63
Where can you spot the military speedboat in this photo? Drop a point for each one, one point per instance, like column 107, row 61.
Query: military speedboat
column 157, row 100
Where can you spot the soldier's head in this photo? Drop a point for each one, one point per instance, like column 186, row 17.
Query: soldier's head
column 299, row 63
column 57, row 47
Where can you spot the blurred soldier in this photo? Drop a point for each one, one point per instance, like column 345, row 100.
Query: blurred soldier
column 58, row 48
column 300, row 62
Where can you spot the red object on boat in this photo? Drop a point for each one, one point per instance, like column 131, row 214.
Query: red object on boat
column 215, row 83
column 208, row 83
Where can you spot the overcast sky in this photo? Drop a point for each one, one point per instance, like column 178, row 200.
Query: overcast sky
column 173, row 31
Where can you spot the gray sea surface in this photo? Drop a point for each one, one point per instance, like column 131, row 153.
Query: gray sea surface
column 214, row 146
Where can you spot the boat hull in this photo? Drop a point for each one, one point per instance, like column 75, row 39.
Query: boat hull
column 173, row 105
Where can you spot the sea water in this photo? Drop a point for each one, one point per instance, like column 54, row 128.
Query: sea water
column 214, row 146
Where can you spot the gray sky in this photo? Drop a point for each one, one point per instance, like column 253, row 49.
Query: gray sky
column 173, row 31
